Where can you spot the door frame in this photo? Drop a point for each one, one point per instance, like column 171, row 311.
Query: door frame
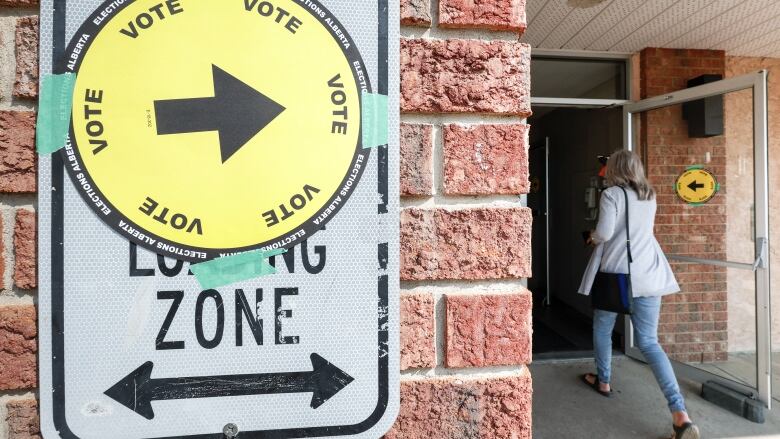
column 545, row 214
column 757, row 82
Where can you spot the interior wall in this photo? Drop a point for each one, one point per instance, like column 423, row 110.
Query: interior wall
column 739, row 152
column 577, row 136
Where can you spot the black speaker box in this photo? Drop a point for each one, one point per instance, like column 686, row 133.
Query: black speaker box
column 704, row 116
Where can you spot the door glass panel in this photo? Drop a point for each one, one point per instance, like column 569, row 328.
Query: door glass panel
column 721, row 336
column 711, row 324
column 578, row 78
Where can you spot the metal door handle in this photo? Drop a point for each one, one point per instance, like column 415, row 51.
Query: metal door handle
column 761, row 252
column 761, row 256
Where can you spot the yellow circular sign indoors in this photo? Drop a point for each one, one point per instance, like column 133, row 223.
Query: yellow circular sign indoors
column 696, row 186
column 208, row 127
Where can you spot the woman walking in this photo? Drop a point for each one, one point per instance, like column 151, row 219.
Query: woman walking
column 651, row 278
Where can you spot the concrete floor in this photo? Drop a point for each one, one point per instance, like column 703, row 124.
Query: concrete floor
column 563, row 407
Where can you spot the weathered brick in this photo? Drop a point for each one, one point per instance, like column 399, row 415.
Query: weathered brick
column 488, row 330
column 2, row 254
column 22, row 419
column 25, row 242
column 465, row 76
column 467, row 408
column 18, row 3
column 17, row 151
column 418, row 348
column 416, row 12
column 26, row 84
column 482, row 243
column 18, row 347
column 486, row 159
column 488, row 14
column 416, row 159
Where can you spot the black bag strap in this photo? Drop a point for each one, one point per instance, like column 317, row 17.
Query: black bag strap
column 628, row 233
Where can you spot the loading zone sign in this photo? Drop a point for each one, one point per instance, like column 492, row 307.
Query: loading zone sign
column 203, row 129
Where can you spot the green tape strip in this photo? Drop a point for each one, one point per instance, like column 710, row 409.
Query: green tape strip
column 229, row 269
column 374, row 120
column 54, row 107
column 689, row 168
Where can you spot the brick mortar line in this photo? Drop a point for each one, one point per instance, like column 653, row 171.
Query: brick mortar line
column 19, row 200
column 438, row 165
column 452, row 284
column 463, row 288
column 442, row 33
column 18, row 105
column 455, row 202
column 465, row 372
column 18, row 298
column 462, row 118
column 439, row 329
column 9, row 258
column 18, row 11
column 7, row 59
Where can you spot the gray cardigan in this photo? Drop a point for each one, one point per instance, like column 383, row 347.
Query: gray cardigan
column 651, row 274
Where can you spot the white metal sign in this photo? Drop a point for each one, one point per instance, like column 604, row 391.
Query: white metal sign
column 203, row 129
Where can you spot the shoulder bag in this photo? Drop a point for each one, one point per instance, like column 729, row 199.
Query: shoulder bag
column 612, row 291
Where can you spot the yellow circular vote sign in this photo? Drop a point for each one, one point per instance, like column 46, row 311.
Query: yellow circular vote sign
column 207, row 127
column 696, row 186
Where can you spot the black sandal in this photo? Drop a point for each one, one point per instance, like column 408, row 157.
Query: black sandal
column 595, row 385
column 686, row 431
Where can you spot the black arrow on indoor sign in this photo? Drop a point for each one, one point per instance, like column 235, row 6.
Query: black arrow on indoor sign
column 237, row 111
column 137, row 390
column 694, row 185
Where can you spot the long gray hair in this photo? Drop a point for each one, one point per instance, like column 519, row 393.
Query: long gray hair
column 624, row 168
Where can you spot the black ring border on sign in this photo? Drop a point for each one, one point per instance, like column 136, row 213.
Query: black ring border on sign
column 58, row 276
column 677, row 184
column 287, row 240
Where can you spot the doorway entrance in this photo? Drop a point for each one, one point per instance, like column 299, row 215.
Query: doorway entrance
column 718, row 328
column 564, row 204
column 576, row 100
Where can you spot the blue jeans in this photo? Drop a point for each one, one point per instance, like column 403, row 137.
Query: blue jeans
column 645, row 320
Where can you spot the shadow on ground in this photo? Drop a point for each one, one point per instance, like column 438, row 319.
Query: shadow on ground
column 563, row 407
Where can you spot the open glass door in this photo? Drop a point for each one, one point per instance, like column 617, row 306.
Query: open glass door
column 718, row 329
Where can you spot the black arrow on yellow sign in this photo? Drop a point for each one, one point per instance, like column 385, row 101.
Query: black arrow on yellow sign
column 137, row 390
column 237, row 111
column 695, row 185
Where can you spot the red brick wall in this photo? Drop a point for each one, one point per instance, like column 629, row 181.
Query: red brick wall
column 465, row 238
column 465, row 335
column 18, row 328
column 693, row 324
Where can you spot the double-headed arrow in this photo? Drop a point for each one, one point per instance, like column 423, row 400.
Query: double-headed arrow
column 137, row 390
column 695, row 185
column 237, row 111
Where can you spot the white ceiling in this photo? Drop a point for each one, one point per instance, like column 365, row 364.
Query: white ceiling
column 740, row 27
